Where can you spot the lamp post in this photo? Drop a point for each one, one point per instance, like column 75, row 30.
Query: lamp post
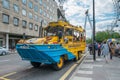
column 94, row 55
column 40, row 29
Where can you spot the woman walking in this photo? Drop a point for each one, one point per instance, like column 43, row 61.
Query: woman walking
column 105, row 51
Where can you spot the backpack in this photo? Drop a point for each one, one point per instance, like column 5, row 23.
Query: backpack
column 96, row 46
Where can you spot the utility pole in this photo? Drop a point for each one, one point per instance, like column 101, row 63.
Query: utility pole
column 94, row 55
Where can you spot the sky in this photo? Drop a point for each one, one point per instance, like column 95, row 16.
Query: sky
column 104, row 13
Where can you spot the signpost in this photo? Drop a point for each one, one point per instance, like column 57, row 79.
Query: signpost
column 94, row 55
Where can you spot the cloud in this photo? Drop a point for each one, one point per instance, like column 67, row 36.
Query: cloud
column 104, row 13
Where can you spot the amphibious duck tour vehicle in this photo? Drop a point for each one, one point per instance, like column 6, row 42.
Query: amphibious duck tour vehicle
column 61, row 41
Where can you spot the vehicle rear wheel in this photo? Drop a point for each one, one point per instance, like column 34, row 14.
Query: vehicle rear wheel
column 59, row 65
column 35, row 64
column 77, row 57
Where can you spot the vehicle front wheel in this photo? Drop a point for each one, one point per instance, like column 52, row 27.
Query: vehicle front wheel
column 35, row 64
column 59, row 65
column 3, row 53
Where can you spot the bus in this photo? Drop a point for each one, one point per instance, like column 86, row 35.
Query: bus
column 61, row 41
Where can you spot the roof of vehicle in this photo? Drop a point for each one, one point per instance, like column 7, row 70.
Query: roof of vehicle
column 65, row 25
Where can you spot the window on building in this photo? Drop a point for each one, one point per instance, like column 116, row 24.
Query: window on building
column 50, row 9
column 47, row 8
column 30, row 15
column 40, row 19
column 24, row 1
column 40, row 2
column 48, row 15
column 36, row 8
column 16, row 8
column 45, row 22
column 30, row 4
column 6, row 4
column 24, row 12
column 5, row 18
column 31, row 26
column 36, row 18
column 44, row 5
column 40, row 11
column 16, row 21
column 36, row 0
column 44, row 13
column 36, row 27
column 24, row 23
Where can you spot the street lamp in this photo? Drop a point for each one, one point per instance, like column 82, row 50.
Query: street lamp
column 40, row 29
column 94, row 55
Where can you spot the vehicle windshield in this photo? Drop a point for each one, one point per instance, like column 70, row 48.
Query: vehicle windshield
column 54, row 31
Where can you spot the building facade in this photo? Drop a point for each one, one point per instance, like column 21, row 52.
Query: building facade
column 18, row 17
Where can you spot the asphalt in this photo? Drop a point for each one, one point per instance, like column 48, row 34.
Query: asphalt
column 97, row 70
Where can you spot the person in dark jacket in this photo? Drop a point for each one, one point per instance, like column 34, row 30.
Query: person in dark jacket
column 90, row 48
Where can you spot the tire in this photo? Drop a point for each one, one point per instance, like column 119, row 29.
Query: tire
column 59, row 66
column 3, row 53
column 77, row 57
column 79, row 54
column 35, row 64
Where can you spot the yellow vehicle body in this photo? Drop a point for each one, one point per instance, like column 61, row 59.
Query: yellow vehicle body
column 77, row 47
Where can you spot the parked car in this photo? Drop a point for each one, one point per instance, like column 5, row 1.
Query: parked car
column 3, row 51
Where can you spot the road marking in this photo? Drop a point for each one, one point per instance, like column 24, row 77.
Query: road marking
column 85, row 72
column 9, row 74
column 4, row 60
column 70, row 70
column 88, row 66
column 4, row 78
column 97, row 65
column 30, row 67
column 81, row 78
column 88, row 60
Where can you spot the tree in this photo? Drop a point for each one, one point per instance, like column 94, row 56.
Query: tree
column 104, row 35
column 88, row 40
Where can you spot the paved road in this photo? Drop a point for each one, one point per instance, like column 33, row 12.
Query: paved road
column 13, row 68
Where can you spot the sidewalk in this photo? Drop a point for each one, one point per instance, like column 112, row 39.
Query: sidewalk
column 97, row 70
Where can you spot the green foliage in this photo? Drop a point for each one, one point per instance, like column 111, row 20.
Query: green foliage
column 104, row 35
column 89, row 40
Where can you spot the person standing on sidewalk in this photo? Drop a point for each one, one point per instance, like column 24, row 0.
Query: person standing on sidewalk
column 112, row 50
column 90, row 48
column 99, row 49
column 105, row 51
column 117, row 50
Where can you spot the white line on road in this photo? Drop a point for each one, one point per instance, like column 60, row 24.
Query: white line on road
column 4, row 60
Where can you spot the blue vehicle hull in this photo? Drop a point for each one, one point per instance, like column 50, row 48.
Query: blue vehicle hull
column 47, row 54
